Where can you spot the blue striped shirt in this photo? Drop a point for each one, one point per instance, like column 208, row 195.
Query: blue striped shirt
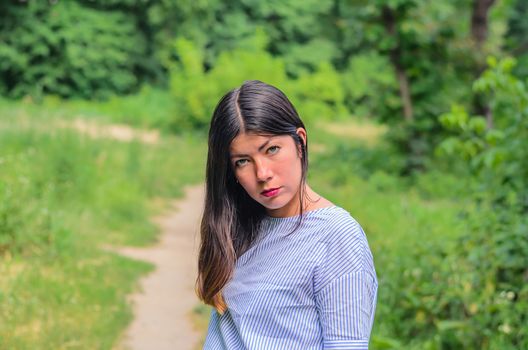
column 314, row 289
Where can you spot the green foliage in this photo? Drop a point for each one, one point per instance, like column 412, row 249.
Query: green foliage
column 305, row 58
column 68, row 50
column 366, row 163
column 303, row 34
column 196, row 92
column 425, row 47
column 492, row 257
column 516, row 37
column 370, row 85
column 318, row 95
column 498, row 154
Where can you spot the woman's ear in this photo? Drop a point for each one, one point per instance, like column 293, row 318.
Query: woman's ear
column 302, row 135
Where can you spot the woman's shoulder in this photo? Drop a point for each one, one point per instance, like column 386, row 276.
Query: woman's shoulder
column 340, row 227
column 343, row 236
column 344, row 249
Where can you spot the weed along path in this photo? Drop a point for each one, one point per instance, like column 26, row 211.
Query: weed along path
column 163, row 306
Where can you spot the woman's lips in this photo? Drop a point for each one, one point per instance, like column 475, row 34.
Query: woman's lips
column 271, row 193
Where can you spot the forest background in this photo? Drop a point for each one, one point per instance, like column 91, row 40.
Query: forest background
column 417, row 112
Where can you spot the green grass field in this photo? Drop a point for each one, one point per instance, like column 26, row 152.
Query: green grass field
column 64, row 194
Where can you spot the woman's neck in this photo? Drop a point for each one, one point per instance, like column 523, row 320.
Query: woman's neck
column 311, row 201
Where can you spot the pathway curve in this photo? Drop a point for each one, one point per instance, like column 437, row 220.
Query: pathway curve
column 162, row 307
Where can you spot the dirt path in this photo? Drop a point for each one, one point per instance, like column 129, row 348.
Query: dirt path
column 119, row 132
column 162, row 309
column 163, row 306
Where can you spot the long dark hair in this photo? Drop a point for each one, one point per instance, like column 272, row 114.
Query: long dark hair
column 231, row 218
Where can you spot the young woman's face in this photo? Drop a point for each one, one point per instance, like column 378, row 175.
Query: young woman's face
column 262, row 162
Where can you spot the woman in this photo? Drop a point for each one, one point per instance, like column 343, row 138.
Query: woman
column 283, row 267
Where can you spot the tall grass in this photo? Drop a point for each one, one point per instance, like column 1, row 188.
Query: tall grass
column 62, row 196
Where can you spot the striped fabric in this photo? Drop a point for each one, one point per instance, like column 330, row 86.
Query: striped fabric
column 314, row 289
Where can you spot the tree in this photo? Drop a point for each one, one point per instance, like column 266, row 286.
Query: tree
column 479, row 33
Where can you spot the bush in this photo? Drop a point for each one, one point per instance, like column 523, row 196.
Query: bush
column 68, row 50
column 370, row 86
column 490, row 264
column 316, row 96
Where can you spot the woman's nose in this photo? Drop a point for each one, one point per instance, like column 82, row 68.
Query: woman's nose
column 263, row 171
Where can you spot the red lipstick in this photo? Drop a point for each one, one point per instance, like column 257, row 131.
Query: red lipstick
column 271, row 192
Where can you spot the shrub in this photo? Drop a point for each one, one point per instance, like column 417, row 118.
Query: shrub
column 68, row 50
column 317, row 96
column 490, row 263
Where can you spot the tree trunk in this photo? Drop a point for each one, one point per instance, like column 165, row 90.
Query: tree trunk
column 389, row 21
column 405, row 93
column 479, row 21
column 479, row 33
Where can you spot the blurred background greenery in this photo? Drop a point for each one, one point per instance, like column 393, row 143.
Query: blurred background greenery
column 417, row 116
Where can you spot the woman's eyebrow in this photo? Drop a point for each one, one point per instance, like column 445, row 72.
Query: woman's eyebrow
column 259, row 149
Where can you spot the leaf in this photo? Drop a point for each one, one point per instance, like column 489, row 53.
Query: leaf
column 449, row 325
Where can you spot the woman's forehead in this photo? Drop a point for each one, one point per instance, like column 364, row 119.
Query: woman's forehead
column 251, row 141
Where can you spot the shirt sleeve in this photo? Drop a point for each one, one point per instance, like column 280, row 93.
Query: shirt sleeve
column 346, row 310
column 346, row 288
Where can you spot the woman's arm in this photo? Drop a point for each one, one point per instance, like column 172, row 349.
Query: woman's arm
column 346, row 288
column 346, row 310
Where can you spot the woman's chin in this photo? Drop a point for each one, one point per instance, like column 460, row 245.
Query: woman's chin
column 274, row 206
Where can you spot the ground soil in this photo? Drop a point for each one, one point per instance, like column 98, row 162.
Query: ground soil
column 163, row 305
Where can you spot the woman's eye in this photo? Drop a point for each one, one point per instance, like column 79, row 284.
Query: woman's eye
column 237, row 163
column 274, row 147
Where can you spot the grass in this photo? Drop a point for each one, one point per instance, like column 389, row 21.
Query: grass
column 363, row 131
column 63, row 194
column 148, row 109
column 75, row 300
